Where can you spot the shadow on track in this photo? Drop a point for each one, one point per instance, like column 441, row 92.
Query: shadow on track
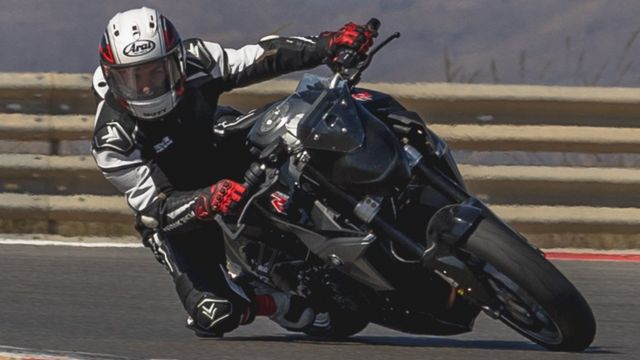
column 406, row 341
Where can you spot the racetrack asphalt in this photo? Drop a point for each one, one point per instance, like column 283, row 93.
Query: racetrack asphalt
column 120, row 302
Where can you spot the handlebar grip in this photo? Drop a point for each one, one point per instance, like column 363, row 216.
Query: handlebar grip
column 373, row 24
column 253, row 176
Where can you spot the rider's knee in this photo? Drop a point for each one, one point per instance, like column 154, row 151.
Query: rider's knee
column 213, row 313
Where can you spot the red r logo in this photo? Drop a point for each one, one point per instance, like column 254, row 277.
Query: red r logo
column 362, row 96
column 278, row 201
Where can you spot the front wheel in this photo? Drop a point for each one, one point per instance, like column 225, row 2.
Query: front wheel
column 532, row 296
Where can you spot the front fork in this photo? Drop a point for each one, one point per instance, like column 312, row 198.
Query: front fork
column 447, row 230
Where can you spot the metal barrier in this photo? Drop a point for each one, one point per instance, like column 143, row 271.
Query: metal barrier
column 555, row 205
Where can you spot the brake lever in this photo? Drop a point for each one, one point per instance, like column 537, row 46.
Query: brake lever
column 354, row 78
column 393, row 36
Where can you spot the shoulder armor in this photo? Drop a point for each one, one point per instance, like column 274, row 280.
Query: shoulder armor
column 198, row 53
column 112, row 131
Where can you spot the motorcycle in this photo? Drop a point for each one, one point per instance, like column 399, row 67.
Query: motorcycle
column 357, row 206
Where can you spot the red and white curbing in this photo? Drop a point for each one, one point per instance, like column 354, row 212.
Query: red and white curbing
column 592, row 255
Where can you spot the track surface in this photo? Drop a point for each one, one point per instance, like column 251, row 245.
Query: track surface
column 121, row 302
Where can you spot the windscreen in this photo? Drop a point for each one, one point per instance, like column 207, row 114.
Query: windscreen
column 332, row 122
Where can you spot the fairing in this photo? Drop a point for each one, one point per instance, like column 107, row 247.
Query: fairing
column 320, row 117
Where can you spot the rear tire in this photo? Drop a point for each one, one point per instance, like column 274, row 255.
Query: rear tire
column 336, row 325
column 525, row 279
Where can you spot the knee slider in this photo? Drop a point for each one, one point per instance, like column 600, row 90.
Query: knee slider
column 210, row 312
column 215, row 314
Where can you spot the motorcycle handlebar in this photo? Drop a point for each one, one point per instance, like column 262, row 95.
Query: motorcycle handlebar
column 373, row 24
column 253, row 176
column 349, row 63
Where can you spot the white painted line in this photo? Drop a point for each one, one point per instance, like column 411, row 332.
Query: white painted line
column 16, row 353
column 69, row 243
column 33, row 356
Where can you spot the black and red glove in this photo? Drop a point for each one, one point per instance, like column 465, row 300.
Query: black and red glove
column 350, row 36
column 219, row 199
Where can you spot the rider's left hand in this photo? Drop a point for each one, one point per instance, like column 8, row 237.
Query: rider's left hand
column 350, row 36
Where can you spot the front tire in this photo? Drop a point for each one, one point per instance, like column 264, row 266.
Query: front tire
column 533, row 297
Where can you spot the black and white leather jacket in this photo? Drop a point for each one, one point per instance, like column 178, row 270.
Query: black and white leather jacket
column 162, row 165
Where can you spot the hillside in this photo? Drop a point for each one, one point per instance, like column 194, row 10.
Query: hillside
column 579, row 42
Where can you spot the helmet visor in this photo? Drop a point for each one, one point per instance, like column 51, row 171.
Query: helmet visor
column 144, row 81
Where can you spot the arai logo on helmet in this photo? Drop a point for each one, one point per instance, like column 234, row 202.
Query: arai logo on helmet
column 139, row 47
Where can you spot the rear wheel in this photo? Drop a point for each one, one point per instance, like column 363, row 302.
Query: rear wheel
column 341, row 310
column 336, row 325
column 533, row 297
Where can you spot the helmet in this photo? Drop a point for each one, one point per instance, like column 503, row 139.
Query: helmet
column 143, row 62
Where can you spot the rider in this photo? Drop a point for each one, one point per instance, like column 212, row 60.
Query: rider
column 154, row 141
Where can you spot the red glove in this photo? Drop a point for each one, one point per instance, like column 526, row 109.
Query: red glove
column 219, row 199
column 351, row 36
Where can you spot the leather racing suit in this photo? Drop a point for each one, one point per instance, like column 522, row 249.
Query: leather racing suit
column 162, row 165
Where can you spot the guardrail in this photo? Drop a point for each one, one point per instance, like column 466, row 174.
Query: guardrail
column 533, row 185
column 479, row 137
column 555, row 205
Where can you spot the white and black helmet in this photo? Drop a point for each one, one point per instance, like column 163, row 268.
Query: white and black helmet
column 143, row 62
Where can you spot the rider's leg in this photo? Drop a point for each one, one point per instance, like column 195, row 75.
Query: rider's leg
column 215, row 303
column 196, row 261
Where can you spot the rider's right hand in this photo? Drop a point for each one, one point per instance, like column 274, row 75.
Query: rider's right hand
column 220, row 198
